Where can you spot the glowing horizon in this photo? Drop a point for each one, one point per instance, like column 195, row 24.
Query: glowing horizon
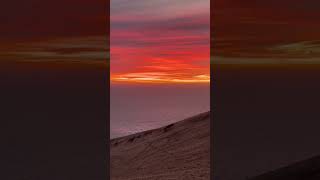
column 160, row 41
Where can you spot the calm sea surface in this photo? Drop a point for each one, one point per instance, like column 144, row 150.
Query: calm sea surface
column 136, row 108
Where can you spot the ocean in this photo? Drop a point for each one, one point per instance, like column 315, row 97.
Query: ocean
column 136, row 107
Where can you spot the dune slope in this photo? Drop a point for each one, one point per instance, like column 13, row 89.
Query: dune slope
column 304, row 170
column 177, row 151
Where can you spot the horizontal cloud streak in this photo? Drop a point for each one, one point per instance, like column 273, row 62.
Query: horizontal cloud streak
column 246, row 29
column 54, row 31
column 83, row 50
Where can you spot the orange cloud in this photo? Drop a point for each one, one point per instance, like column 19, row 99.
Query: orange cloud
column 160, row 77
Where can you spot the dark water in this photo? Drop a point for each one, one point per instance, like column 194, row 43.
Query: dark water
column 264, row 118
column 136, row 108
column 53, row 122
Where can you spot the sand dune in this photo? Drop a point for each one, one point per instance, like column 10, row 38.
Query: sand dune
column 304, row 170
column 177, row 151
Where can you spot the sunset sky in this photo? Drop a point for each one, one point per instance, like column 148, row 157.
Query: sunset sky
column 163, row 41
column 273, row 31
column 58, row 31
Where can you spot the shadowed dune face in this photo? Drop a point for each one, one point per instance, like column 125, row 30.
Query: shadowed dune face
column 304, row 170
column 176, row 151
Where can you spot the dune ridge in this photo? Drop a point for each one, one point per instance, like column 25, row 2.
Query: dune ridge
column 177, row 151
column 308, row 169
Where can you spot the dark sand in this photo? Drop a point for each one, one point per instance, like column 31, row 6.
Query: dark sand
column 177, row 151
column 304, row 170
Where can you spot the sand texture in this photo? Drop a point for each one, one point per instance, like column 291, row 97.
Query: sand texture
column 176, row 151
